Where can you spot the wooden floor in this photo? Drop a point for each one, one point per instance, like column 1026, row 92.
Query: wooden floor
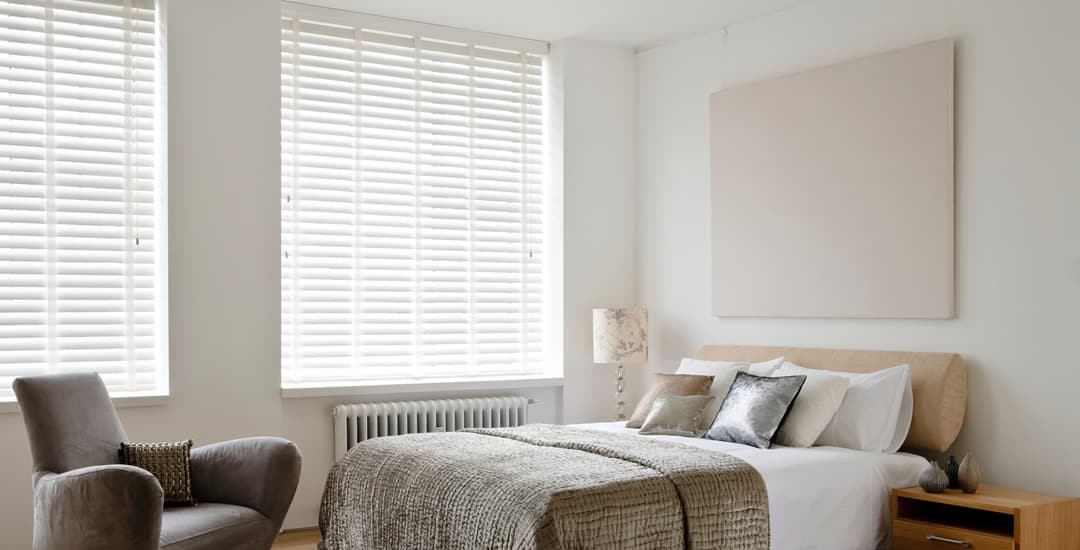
column 301, row 539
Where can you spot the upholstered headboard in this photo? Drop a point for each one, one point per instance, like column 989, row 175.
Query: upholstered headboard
column 938, row 382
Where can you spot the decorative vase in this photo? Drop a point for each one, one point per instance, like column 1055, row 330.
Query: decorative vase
column 952, row 469
column 933, row 479
column 969, row 474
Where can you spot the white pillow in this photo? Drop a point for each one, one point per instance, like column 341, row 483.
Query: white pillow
column 814, row 408
column 723, row 373
column 766, row 368
column 876, row 412
column 903, row 422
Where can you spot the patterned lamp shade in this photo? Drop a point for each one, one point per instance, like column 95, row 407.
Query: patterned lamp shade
column 620, row 335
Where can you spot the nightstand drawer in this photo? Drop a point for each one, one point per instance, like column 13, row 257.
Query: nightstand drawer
column 913, row 535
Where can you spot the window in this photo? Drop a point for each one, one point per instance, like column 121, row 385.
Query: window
column 414, row 212
column 81, row 233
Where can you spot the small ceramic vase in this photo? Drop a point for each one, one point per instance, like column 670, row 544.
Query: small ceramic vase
column 933, row 479
column 969, row 474
column 952, row 469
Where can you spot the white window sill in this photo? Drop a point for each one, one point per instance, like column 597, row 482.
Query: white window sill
column 156, row 400
column 325, row 389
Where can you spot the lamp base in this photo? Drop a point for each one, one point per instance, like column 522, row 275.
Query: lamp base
column 620, row 405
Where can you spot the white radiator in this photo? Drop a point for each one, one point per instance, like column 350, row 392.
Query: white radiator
column 358, row 422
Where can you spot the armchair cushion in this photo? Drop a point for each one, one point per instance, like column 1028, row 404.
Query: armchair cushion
column 212, row 526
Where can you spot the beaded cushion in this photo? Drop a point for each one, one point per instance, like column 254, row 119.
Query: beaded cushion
column 169, row 462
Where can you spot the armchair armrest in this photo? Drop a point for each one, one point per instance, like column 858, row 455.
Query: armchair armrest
column 257, row 472
column 97, row 508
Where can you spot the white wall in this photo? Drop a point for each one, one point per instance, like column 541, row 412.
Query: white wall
column 599, row 227
column 1018, row 189
column 224, row 178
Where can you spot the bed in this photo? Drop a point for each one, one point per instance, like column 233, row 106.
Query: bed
column 587, row 485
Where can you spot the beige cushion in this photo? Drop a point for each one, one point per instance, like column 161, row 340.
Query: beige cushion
column 669, row 384
column 820, row 398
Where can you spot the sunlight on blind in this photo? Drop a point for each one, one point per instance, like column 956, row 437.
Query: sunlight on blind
column 413, row 207
column 79, row 240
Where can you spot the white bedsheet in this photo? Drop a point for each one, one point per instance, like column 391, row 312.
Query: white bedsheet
column 822, row 498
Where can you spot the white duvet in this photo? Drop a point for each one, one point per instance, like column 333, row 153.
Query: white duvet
column 825, row 498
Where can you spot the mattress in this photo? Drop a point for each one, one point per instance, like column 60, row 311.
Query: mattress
column 824, row 498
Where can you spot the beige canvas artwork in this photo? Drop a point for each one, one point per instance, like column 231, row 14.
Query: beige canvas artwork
column 832, row 190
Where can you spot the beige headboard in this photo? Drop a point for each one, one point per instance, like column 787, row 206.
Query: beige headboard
column 938, row 382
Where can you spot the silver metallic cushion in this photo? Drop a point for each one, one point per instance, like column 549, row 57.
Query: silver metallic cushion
column 754, row 409
column 676, row 415
column 668, row 384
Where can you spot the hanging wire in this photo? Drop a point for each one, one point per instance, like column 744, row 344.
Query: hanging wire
column 133, row 60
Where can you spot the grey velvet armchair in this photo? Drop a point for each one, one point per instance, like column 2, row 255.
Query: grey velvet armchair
column 84, row 500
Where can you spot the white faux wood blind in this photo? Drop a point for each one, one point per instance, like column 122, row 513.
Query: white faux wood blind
column 78, row 235
column 413, row 207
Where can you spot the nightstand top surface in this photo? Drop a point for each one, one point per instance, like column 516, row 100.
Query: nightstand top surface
column 988, row 497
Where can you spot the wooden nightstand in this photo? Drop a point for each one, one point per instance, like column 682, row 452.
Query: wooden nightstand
column 991, row 519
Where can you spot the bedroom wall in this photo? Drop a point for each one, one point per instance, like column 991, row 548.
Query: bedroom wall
column 224, row 177
column 599, row 115
column 1018, row 257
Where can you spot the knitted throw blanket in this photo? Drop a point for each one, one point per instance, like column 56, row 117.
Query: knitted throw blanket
column 540, row 487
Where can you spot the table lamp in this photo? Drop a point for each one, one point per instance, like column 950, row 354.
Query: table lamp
column 620, row 336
